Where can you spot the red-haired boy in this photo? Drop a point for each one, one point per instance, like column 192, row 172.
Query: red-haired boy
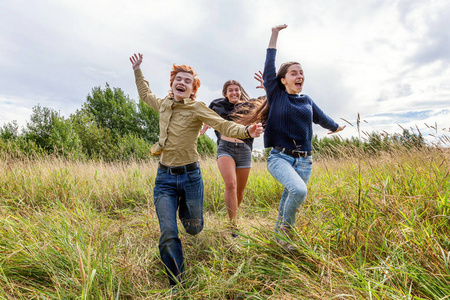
column 178, row 183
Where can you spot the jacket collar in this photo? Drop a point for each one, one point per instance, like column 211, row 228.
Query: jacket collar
column 184, row 101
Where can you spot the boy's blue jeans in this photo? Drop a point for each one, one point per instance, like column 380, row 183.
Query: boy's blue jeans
column 182, row 192
column 293, row 174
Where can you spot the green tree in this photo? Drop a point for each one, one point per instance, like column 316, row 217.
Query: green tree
column 148, row 122
column 410, row 139
column 40, row 127
column 112, row 109
column 9, row 130
column 374, row 143
column 97, row 142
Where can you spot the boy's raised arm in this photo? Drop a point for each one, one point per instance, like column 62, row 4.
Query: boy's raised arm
column 136, row 60
column 145, row 94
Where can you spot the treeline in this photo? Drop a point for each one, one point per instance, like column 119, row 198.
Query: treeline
column 109, row 126
column 369, row 143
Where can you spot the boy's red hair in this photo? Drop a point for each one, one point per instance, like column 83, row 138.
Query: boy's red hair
column 187, row 69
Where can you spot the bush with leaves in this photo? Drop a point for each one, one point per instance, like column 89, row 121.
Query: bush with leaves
column 20, row 147
column 206, row 146
column 132, row 147
column 65, row 140
column 97, row 142
column 9, row 130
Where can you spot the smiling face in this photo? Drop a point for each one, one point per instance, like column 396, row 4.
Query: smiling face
column 233, row 93
column 182, row 86
column 293, row 79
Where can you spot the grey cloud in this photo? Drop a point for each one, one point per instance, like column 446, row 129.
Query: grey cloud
column 405, row 116
column 435, row 41
column 397, row 91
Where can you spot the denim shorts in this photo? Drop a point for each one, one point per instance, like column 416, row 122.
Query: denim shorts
column 239, row 152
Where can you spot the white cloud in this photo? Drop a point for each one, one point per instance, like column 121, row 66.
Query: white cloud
column 367, row 57
column 14, row 109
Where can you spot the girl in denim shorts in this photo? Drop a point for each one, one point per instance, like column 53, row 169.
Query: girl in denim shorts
column 234, row 156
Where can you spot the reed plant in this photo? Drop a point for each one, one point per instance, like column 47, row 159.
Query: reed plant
column 372, row 227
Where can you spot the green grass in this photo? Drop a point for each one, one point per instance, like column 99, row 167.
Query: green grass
column 371, row 228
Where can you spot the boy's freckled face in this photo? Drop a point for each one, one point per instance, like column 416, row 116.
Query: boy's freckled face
column 182, row 85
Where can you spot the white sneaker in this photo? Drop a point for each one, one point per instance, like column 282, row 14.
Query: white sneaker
column 288, row 246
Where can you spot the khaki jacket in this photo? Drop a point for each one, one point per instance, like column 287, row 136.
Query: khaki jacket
column 180, row 123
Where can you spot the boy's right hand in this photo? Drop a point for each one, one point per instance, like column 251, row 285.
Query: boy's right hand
column 136, row 60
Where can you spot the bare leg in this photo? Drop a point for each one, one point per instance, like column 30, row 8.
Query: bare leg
column 241, row 178
column 227, row 168
column 235, row 182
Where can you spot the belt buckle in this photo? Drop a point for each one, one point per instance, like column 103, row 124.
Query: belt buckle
column 300, row 153
column 176, row 170
column 297, row 152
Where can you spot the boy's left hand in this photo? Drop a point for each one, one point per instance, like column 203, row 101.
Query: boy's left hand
column 255, row 130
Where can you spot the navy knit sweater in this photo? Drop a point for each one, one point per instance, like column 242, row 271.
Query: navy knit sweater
column 289, row 124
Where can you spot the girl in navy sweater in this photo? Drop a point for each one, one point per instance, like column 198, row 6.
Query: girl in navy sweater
column 288, row 117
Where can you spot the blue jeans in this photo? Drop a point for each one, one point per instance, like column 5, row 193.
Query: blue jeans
column 293, row 174
column 184, row 193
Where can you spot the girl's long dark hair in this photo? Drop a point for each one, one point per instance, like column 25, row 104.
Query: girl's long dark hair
column 257, row 113
column 260, row 108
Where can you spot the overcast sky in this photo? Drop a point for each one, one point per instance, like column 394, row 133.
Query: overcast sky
column 385, row 60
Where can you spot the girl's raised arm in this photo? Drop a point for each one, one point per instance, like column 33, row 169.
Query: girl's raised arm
column 274, row 36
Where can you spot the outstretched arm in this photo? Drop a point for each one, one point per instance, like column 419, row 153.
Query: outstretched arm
column 340, row 128
column 274, row 36
column 136, row 60
column 227, row 128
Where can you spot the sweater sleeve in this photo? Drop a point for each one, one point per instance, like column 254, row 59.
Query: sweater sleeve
column 320, row 118
column 270, row 75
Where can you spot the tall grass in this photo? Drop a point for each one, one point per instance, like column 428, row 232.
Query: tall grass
column 88, row 230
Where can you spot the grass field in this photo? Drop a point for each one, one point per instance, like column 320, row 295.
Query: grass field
column 372, row 227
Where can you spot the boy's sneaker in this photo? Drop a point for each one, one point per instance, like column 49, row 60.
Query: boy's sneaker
column 174, row 291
